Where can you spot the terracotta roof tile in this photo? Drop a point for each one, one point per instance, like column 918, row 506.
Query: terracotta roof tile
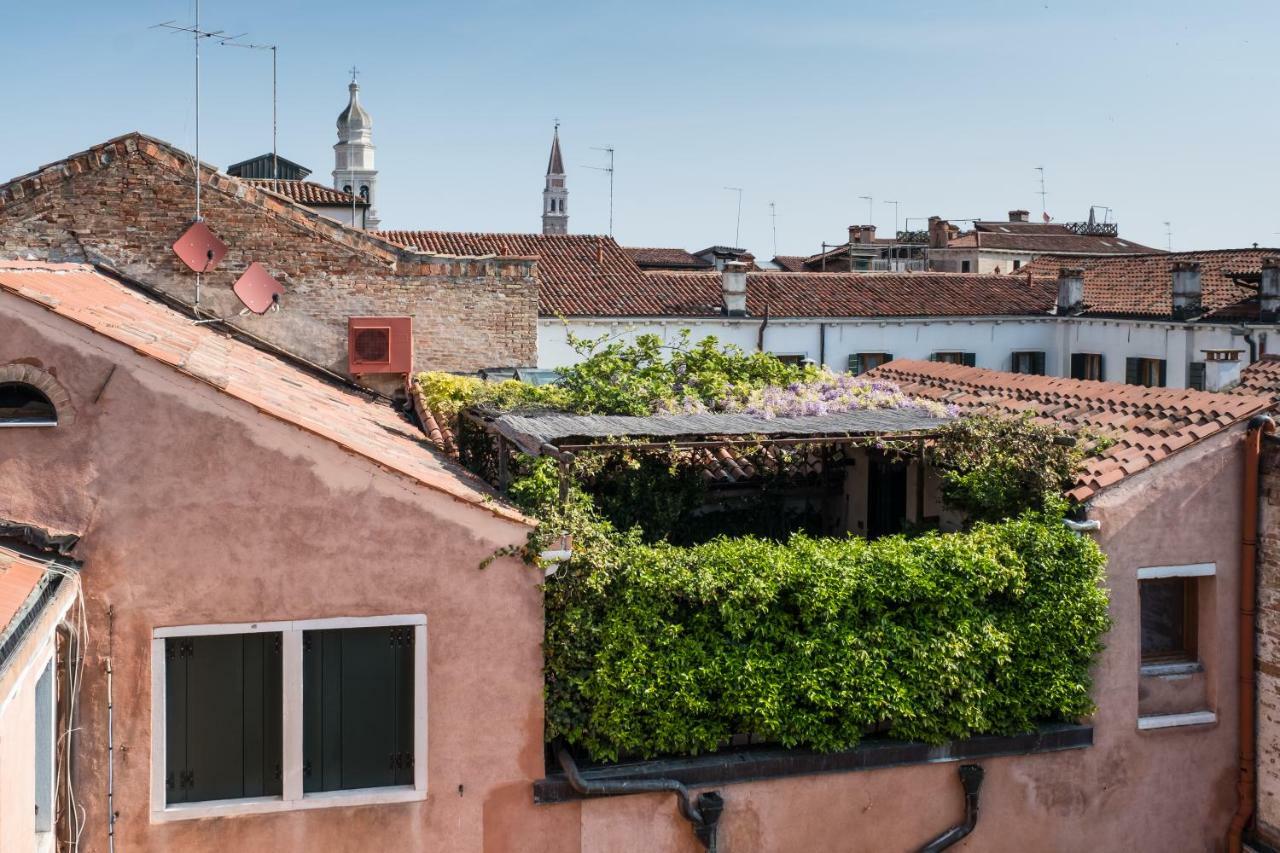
column 666, row 259
column 1142, row 284
column 1147, row 424
column 1037, row 237
column 306, row 192
column 351, row 419
column 1262, row 378
column 811, row 295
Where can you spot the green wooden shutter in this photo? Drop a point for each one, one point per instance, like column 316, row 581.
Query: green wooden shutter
column 357, row 694
column 1195, row 377
column 888, row 357
column 223, row 717
column 1132, row 375
column 1163, row 381
column 970, row 359
column 1077, row 365
column 855, row 364
column 1102, row 367
column 933, row 356
column 1037, row 363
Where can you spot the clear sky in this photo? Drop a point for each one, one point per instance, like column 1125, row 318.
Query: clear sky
column 1163, row 110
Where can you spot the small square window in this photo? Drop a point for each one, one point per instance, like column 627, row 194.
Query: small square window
column 1168, row 614
column 1086, row 365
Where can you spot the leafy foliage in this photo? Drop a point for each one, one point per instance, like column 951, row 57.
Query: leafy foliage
column 995, row 467
column 655, row 649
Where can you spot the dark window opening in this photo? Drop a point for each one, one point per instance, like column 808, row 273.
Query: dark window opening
column 1086, row 365
column 1017, row 265
column 861, row 362
column 968, row 359
column 25, row 405
column 1145, row 371
column 793, row 360
column 886, row 497
column 346, row 188
column 223, row 717
column 357, row 716
column 964, row 266
column 1168, row 608
column 364, row 193
column 1029, row 362
column 1195, row 376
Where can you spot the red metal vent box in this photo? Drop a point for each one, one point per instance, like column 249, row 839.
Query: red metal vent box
column 379, row 345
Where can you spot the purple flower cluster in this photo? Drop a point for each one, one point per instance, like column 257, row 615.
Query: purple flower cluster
column 830, row 393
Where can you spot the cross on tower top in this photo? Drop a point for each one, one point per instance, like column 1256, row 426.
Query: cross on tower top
column 355, row 72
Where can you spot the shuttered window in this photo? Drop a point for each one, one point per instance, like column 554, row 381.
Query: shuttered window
column 861, row 362
column 968, row 359
column 1029, row 362
column 223, row 717
column 1087, row 365
column 1195, row 376
column 357, row 695
column 1145, row 371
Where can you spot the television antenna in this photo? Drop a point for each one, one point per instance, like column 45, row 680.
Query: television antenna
column 773, row 216
column 196, row 35
column 870, row 208
column 1168, row 236
column 607, row 149
column 275, row 156
column 737, row 228
column 1044, row 211
column 895, row 218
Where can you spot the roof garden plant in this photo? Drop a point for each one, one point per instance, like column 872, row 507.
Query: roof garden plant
column 656, row 648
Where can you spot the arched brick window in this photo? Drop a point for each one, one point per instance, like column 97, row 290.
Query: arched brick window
column 31, row 397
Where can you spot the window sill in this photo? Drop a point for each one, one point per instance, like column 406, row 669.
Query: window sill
column 1164, row 670
column 267, row 805
column 1169, row 721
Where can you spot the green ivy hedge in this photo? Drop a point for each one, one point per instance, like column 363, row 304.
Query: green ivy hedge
column 655, row 649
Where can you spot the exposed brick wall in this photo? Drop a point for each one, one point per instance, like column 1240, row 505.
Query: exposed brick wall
column 1268, row 752
column 125, row 202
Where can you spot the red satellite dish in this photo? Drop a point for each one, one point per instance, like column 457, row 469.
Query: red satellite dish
column 199, row 248
column 257, row 289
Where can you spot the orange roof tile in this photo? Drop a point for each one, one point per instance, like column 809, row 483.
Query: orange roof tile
column 18, row 579
column 1261, row 379
column 307, row 192
column 1147, row 424
column 351, row 419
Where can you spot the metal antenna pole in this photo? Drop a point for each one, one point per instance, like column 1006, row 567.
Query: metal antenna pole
column 1044, row 212
column 870, row 208
column 275, row 152
column 773, row 215
column 608, row 149
column 895, row 218
column 196, row 35
column 737, row 228
column 1168, row 236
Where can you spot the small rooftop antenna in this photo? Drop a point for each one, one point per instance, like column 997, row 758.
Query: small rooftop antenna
column 608, row 149
column 196, row 35
column 895, row 218
column 275, row 157
column 1168, row 236
column 773, row 215
column 870, row 208
column 1044, row 212
column 737, row 228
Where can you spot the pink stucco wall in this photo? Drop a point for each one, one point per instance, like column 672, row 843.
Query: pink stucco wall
column 196, row 509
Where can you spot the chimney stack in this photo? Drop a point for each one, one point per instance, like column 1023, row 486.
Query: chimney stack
column 733, row 286
column 1269, row 290
column 1186, row 289
column 938, row 232
column 1019, row 215
column 1070, row 290
column 862, row 234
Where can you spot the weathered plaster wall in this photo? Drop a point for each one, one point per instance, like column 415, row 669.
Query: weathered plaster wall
column 1268, row 749
column 195, row 509
column 126, row 202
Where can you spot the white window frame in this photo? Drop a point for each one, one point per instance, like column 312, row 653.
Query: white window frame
column 1191, row 570
column 292, row 797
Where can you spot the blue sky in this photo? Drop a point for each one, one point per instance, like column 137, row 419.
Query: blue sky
column 1162, row 111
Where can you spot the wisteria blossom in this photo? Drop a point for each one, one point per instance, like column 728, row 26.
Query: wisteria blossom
column 828, row 393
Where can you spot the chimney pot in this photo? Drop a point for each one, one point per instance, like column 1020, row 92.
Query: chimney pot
column 1186, row 289
column 1070, row 290
column 1269, row 290
column 733, row 285
column 1019, row 215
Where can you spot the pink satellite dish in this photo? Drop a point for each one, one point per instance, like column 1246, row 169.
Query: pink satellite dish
column 199, row 248
column 257, row 289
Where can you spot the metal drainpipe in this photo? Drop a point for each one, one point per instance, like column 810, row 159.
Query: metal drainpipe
column 1247, row 782
column 704, row 816
column 971, row 778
